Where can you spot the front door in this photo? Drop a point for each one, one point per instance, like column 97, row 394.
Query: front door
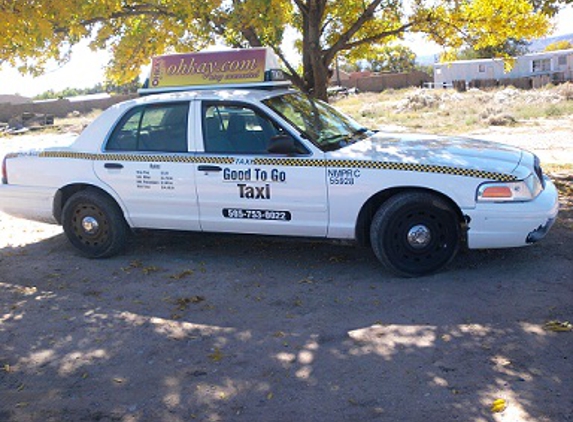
column 243, row 188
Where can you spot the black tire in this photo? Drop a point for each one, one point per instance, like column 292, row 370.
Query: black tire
column 94, row 224
column 415, row 233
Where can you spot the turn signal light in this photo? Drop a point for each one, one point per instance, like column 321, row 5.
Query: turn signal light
column 4, row 172
column 497, row 192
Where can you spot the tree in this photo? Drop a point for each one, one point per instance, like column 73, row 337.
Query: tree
column 36, row 31
column 392, row 58
column 510, row 48
column 110, row 88
column 559, row 45
column 380, row 58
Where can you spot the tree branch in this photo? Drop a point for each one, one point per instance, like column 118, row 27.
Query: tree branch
column 251, row 36
column 295, row 77
column 326, row 23
column 347, row 36
column 302, row 6
column 377, row 37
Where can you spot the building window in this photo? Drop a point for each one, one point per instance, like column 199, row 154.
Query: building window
column 481, row 68
column 541, row 65
column 562, row 60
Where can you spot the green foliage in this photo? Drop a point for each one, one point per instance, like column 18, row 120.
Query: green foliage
column 510, row 48
column 109, row 88
column 383, row 58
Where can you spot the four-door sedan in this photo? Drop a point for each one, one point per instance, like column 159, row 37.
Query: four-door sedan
column 274, row 161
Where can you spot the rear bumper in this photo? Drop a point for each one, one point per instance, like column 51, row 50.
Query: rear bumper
column 30, row 203
column 507, row 225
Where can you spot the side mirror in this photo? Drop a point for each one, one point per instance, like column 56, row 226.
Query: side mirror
column 282, row 144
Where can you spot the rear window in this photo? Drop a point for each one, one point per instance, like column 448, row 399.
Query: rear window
column 152, row 128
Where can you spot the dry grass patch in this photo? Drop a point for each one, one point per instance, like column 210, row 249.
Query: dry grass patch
column 448, row 111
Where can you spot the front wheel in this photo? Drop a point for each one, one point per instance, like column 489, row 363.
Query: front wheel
column 94, row 224
column 415, row 233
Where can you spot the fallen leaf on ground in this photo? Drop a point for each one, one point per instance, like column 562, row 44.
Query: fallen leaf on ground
column 216, row 356
column 150, row 269
column 133, row 264
column 558, row 326
column 307, row 280
column 183, row 302
column 182, row 274
column 498, row 406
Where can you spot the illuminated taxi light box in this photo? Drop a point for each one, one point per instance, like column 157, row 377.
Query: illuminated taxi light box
column 212, row 68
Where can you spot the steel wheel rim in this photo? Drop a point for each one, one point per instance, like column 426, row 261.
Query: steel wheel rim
column 90, row 225
column 420, row 239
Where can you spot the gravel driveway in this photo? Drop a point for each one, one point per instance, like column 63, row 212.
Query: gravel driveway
column 209, row 327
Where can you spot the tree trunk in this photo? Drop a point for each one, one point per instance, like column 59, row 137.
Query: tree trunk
column 315, row 69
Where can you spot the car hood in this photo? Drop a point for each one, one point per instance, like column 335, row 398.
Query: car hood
column 433, row 150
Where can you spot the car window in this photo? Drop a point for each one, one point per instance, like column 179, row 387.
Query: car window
column 233, row 128
column 321, row 123
column 154, row 127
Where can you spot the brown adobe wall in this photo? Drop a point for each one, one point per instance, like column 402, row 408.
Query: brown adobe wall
column 59, row 108
column 381, row 82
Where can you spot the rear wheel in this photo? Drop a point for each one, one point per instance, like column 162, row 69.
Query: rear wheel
column 415, row 233
column 94, row 224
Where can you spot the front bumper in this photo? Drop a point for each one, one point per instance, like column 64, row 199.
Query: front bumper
column 507, row 225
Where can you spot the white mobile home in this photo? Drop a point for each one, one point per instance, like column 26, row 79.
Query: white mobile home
column 557, row 65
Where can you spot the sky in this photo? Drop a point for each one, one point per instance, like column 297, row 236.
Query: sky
column 86, row 67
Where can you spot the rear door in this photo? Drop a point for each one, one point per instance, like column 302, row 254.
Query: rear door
column 147, row 162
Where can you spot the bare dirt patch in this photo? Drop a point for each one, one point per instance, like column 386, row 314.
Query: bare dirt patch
column 218, row 327
column 206, row 327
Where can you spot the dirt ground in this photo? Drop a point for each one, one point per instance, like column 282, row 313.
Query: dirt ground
column 207, row 327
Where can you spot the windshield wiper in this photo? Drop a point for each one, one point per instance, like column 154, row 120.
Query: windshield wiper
column 333, row 137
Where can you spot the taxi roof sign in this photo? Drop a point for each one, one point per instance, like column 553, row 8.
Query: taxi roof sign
column 213, row 69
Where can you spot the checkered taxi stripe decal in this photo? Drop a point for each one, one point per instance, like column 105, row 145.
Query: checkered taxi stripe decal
column 384, row 165
column 142, row 158
column 285, row 162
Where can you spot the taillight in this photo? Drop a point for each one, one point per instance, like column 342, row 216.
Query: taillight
column 4, row 172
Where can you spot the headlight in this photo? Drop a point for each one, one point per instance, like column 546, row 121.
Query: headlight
column 523, row 190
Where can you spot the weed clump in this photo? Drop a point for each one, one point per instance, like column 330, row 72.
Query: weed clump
column 566, row 91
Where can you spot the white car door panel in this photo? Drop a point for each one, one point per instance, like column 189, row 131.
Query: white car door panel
column 147, row 163
column 243, row 188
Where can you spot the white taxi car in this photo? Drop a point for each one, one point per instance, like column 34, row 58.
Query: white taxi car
column 268, row 159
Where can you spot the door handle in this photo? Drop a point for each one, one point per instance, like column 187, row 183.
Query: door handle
column 209, row 168
column 113, row 166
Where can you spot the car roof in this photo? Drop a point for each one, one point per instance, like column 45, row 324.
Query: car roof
column 245, row 94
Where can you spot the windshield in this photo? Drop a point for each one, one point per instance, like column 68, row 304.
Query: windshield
column 326, row 127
